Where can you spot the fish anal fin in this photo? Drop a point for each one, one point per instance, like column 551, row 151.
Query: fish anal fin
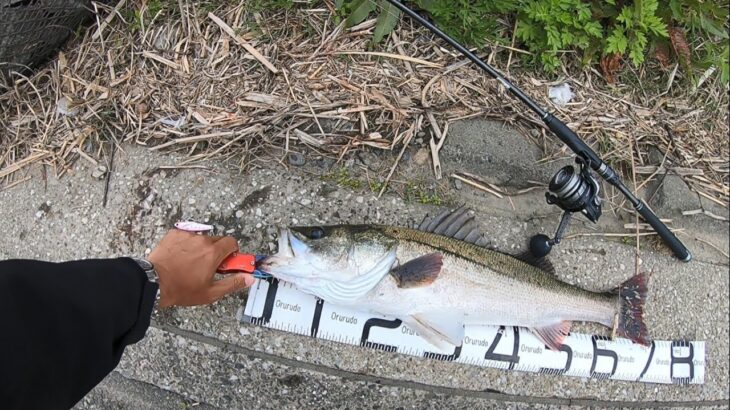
column 554, row 335
column 543, row 263
column 421, row 271
column 439, row 328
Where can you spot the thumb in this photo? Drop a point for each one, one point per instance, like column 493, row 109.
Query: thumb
column 230, row 284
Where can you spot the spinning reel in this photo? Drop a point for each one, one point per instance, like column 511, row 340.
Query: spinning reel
column 573, row 191
column 570, row 190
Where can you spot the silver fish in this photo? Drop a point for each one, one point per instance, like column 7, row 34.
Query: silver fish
column 438, row 279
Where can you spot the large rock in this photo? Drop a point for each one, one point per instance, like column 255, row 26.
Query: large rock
column 496, row 152
column 671, row 195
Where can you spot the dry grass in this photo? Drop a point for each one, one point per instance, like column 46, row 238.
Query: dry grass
column 223, row 82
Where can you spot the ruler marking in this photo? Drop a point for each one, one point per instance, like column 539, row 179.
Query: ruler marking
column 486, row 346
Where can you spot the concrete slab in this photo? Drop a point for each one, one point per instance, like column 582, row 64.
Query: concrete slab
column 63, row 219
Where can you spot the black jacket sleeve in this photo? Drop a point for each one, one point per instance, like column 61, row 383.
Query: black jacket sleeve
column 64, row 326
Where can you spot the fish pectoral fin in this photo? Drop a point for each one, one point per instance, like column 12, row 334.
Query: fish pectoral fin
column 439, row 327
column 554, row 335
column 421, row 271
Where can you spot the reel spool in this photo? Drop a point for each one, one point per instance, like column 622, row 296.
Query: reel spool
column 573, row 191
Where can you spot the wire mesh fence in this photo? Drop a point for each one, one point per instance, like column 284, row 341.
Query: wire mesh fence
column 31, row 31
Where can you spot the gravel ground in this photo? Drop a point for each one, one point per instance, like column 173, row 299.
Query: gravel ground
column 203, row 355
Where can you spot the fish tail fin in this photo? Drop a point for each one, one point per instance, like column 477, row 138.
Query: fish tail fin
column 632, row 295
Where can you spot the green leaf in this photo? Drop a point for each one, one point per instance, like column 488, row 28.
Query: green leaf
column 360, row 11
column 594, row 29
column 387, row 20
column 676, row 7
column 656, row 26
column 616, row 42
column 725, row 65
column 712, row 27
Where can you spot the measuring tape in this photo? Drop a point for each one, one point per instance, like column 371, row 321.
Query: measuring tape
column 279, row 305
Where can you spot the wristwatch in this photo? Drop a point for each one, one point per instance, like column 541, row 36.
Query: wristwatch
column 149, row 268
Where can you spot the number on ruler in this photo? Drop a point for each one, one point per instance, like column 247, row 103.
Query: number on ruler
column 568, row 360
column 513, row 358
column 376, row 322
column 648, row 361
column 265, row 317
column 683, row 360
column 317, row 316
column 605, row 353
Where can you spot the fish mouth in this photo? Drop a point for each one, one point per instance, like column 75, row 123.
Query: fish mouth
column 290, row 248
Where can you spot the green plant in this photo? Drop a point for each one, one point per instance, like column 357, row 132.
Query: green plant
column 470, row 21
column 416, row 192
column 258, row 5
column 708, row 21
column 613, row 29
column 547, row 27
column 467, row 20
column 632, row 29
column 357, row 11
column 342, row 178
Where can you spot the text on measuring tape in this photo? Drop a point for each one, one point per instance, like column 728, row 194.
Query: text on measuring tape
column 275, row 304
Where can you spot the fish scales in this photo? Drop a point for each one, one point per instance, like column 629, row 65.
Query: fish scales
column 469, row 283
column 436, row 284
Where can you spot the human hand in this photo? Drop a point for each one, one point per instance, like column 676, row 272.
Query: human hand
column 186, row 264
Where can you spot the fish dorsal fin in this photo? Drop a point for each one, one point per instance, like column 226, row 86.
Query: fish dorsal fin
column 554, row 335
column 543, row 263
column 458, row 224
column 418, row 272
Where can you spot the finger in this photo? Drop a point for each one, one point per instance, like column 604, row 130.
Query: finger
column 223, row 247
column 215, row 239
column 230, row 284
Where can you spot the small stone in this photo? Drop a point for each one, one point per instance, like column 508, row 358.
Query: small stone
column 239, row 214
column 296, row 159
column 99, row 172
column 458, row 184
column 39, row 214
column 622, row 266
column 306, row 202
column 421, row 156
column 259, row 213
column 212, row 205
column 191, row 201
column 243, row 331
column 258, row 225
column 359, row 199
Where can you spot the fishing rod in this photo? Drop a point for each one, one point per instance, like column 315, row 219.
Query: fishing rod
column 573, row 191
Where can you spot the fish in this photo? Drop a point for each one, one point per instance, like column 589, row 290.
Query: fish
column 442, row 276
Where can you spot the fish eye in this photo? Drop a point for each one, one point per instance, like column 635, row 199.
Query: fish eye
column 316, row 233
